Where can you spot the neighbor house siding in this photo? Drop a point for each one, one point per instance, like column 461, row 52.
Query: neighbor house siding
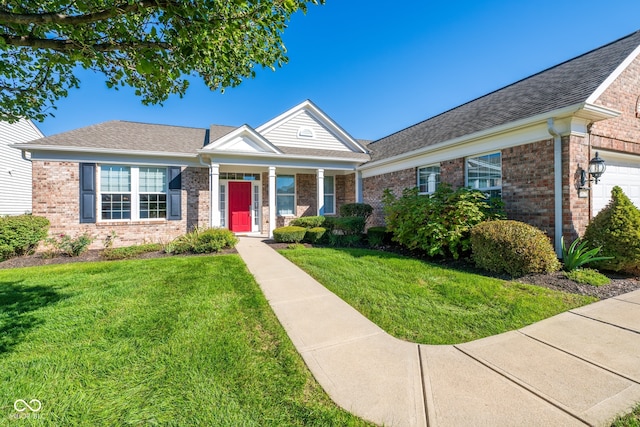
column 56, row 197
column 15, row 172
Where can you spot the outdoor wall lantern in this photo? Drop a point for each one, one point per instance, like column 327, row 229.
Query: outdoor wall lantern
column 597, row 167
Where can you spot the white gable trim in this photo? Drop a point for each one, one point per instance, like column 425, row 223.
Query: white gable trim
column 317, row 114
column 613, row 76
column 242, row 140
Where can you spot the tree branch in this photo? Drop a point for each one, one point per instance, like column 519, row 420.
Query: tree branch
column 64, row 19
column 71, row 45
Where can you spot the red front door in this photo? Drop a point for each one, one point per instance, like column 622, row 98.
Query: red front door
column 240, row 206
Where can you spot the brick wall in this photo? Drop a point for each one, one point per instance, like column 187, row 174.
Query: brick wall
column 345, row 190
column 622, row 133
column 528, row 184
column 575, row 210
column 56, row 197
column 452, row 172
column 373, row 188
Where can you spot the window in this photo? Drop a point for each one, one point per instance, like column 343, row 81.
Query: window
column 115, row 189
column 153, row 193
column 132, row 193
column 285, row 195
column 329, row 196
column 223, row 205
column 256, row 205
column 484, row 173
column 428, row 179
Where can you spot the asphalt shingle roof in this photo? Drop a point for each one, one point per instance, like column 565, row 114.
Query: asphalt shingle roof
column 566, row 84
column 123, row 135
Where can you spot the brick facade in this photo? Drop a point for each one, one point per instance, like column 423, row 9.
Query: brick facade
column 56, row 197
column 373, row 188
column 528, row 184
column 345, row 190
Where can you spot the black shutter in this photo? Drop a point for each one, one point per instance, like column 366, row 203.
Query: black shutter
column 87, row 193
column 174, row 196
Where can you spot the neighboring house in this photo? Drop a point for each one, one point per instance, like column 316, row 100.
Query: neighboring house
column 155, row 182
column 528, row 143
column 15, row 170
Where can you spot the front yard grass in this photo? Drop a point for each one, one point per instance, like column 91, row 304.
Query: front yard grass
column 425, row 303
column 171, row 341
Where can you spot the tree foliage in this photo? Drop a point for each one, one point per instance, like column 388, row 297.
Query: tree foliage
column 153, row 46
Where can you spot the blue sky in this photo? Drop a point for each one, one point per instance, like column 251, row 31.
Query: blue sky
column 376, row 66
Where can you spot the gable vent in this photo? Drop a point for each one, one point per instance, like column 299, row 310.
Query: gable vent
column 306, row 132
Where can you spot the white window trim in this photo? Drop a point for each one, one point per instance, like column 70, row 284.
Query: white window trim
column 333, row 193
column 295, row 196
column 418, row 176
column 466, row 171
column 135, row 193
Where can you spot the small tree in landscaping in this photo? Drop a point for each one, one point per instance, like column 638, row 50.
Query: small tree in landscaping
column 439, row 224
column 616, row 229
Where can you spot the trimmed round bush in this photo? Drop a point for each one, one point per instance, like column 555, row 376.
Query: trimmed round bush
column 315, row 234
column 21, row 234
column 512, row 247
column 308, row 221
column 203, row 240
column 616, row 230
column 289, row 234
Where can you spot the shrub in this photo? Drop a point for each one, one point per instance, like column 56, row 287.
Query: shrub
column 588, row 276
column 20, row 235
column 315, row 234
column 439, row 224
column 289, row 234
column 512, row 247
column 202, row 240
column 349, row 225
column 616, row 229
column 70, row 246
column 130, row 251
column 577, row 255
column 308, row 221
column 376, row 236
column 361, row 210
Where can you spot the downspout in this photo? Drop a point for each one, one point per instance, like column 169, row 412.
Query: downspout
column 557, row 184
column 24, row 156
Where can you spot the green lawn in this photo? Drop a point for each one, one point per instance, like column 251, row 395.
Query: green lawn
column 421, row 302
column 172, row 341
column 629, row 420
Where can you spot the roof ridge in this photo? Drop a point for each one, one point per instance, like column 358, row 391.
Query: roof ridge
column 509, row 85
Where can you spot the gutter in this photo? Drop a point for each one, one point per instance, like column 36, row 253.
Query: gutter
column 557, row 185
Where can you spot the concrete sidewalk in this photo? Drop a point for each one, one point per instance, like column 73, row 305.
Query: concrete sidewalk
column 578, row 368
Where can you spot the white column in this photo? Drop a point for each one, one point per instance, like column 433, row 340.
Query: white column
column 214, row 191
column 358, row 178
column 272, row 200
column 320, row 192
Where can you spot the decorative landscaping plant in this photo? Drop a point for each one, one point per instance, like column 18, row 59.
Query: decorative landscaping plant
column 439, row 224
column 20, row 235
column 616, row 229
column 577, row 255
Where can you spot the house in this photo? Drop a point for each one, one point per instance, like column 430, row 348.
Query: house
column 155, row 182
column 15, row 169
column 529, row 143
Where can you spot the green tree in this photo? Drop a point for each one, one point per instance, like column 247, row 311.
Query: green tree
column 153, row 46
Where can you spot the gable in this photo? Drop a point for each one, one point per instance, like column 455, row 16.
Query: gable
column 306, row 127
column 242, row 140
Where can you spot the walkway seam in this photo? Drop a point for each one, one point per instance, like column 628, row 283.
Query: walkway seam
column 424, row 388
column 591, row 362
column 602, row 321
column 524, row 385
column 341, row 343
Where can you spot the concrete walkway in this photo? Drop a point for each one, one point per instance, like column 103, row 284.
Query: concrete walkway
column 578, row 368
